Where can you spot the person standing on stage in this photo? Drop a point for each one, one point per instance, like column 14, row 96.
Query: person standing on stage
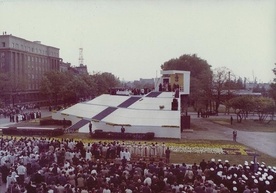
column 90, row 127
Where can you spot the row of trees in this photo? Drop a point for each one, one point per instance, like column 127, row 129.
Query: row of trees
column 264, row 107
column 60, row 87
column 210, row 88
column 10, row 84
column 66, row 87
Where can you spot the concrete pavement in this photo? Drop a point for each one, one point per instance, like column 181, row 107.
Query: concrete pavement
column 262, row 141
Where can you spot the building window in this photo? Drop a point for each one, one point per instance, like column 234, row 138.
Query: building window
column 3, row 44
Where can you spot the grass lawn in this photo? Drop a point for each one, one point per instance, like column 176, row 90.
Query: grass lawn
column 246, row 125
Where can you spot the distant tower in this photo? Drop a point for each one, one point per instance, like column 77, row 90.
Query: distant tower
column 81, row 57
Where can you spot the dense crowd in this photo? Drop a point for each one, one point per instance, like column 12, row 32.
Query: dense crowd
column 48, row 165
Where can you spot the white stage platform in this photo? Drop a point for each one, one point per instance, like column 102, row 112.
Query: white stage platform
column 138, row 115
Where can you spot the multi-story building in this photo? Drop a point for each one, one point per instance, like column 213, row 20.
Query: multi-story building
column 66, row 67
column 25, row 62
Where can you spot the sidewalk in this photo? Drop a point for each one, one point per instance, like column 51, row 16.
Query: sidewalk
column 262, row 141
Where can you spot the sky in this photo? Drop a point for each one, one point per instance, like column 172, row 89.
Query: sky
column 133, row 38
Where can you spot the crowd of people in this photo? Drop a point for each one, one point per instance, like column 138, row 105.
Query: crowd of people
column 48, row 165
column 21, row 113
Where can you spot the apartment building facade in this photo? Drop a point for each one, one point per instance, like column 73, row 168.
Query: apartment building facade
column 25, row 62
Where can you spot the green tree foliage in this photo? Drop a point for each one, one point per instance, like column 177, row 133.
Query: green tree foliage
column 272, row 91
column 201, row 74
column 104, row 82
column 265, row 107
column 53, row 85
column 11, row 85
column 4, row 82
column 68, row 88
column 192, row 63
column 234, row 84
column 242, row 106
column 245, row 104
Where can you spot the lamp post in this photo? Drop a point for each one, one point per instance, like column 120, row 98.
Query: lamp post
column 255, row 161
column 229, row 85
column 13, row 99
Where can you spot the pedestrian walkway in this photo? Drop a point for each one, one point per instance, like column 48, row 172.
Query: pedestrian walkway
column 262, row 141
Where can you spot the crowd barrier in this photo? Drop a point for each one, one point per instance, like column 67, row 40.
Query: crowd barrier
column 55, row 122
column 32, row 131
column 100, row 134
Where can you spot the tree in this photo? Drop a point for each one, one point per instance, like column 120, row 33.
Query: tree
column 79, row 87
column 265, row 107
column 53, row 85
column 68, row 88
column 11, row 86
column 4, row 83
column 201, row 74
column 272, row 91
column 242, row 106
column 220, row 77
column 91, row 88
column 234, row 83
column 104, row 82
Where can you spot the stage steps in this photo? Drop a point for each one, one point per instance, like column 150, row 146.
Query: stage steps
column 77, row 126
column 153, row 94
column 104, row 113
column 129, row 102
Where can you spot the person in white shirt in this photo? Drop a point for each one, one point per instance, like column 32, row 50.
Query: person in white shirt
column 122, row 153
column 106, row 189
column 88, row 155
column 21, row 171
column 11, row 178
column 148, row 181
column 127, row 155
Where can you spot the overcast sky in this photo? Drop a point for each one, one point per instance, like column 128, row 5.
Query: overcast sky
column 132, row 39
